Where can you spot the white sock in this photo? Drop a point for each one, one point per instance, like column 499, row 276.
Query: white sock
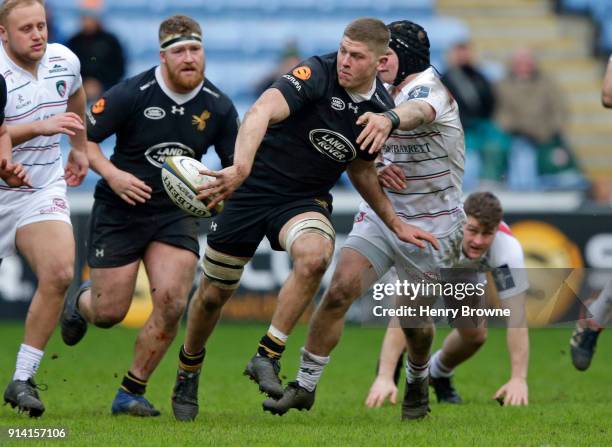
column 437, row 368
column 28, row 360
column 414, row 371
column 278, row 334
column 601, row 309
column 311, row 368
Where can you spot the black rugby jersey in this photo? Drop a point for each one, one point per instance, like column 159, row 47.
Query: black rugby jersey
column 304, row 155
column 150, row 126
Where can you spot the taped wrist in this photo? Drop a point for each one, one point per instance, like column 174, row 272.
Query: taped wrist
column 393, row 117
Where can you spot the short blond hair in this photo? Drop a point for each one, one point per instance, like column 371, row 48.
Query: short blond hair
column 373, row 32
column 8, row 5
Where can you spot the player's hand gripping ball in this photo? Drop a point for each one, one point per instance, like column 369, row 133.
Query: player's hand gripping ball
column 181, row 177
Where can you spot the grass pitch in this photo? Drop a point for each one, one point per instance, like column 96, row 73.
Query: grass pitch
column 566, row 408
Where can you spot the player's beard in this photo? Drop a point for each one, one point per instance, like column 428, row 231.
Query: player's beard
column 187, row 82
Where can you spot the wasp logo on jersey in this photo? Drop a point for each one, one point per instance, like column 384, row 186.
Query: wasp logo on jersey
column 332, row 144
column 157, row 154
column 200, row 121
column 322, row 203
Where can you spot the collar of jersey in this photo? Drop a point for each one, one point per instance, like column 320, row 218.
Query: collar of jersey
column 179, row 98
column 15, row 67
column 406, row 89
column 360, row 97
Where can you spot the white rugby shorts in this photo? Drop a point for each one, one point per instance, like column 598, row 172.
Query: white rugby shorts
column 374, row 240
column 49, row 203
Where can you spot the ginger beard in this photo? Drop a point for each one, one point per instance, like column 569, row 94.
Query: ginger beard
column 185, row 65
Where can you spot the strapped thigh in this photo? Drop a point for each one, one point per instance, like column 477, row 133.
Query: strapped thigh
column 224, row 271
column 319, row 225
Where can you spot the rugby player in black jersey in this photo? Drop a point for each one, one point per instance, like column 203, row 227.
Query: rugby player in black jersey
column 294, row 144
column 168, row 110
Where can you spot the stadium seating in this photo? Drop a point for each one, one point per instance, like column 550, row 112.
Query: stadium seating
column 601, row 12
column 254, row 8
column 241, row 51
column 244, row 38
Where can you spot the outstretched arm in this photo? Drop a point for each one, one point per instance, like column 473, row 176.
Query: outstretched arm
column 515, row 391
column 270, row 108
column 378, row 126
column 365, row 178
column 384, row 387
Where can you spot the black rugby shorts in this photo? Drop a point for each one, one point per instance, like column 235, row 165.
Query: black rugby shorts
column 239, row 229
column 120, row 236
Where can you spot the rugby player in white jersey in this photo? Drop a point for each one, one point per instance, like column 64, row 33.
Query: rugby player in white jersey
column 489, row 245
column 13, row 175
column 45, row 100
column 429, row 149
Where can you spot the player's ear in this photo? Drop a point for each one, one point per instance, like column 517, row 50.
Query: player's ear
column 3, row 34
column 162, row 57
column 382, row 61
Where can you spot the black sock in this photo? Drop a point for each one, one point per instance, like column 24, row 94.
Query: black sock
column 133, row 384
column 191, row 362
column 271, row 347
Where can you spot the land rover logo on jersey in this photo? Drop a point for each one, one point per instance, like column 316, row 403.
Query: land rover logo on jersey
column 61, row 88
column 332, row 144
column 337, row 103
column 154, row 113
column 157, row 154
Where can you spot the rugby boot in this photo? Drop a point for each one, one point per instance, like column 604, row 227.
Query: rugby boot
column 73, row 324
column 294, row 396
column 445, row 391
column 185, row 395
column 132, row 404
column 416, row 399
column 264, row 371
column 582, row 346
column 24, row 395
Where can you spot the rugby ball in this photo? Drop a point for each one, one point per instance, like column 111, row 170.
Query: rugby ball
column 181, row 177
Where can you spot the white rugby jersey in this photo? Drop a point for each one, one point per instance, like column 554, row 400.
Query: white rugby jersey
column 30, row 99
column 432, row 158
column 505, row 261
